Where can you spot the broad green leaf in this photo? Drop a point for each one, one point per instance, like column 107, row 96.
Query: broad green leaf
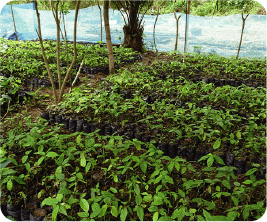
column 24, row 158
column 84, row 204
column 238, row 135
column 143, row 166
column 123, row 214
column 55, row 212
column 62, row 209
column 50, row 201
column 226, row 184
column 246, row 212
column 251, row 171
column 156, row 216
column 82, row 160
column 207, row 215
column 217, row 144
column 138, row 200
column 9, row 185
column 140, row 213
column 52, row 154
column 83, row 214
column 210, row 161
column 219, row 160
column 114, row 211
column 232, row 215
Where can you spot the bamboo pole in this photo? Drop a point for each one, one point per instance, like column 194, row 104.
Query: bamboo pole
column 177, row 22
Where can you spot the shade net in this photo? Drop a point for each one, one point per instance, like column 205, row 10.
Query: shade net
column 219, row 35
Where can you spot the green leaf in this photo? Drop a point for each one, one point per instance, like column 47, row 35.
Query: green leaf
column 82, row 160
column 152, row 208
column 170, row 167
column 62, row 209
column 84, row 204
column 24, row 158
column 248, row 182
column 219, row 160
column 140, row 213
column 50, row 201
column 207, row 215
column 156, row 216
column 114, row 211
column 210, row 161
column 177, row 166
column 235, row 200
column 226, row 184
column 238, row 135
column 246, row 212
column 217, row 144
column 138, row 199
column 220, row 218
column 55, row 212
column 251, row 171
column 232, row 215
column 9, row 185
column 143, row 166
column 136, row 189
column 123, row 214
column 52, row 154
column 83, row 214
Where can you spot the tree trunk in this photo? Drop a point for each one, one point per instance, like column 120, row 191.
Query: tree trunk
column 57, row 20
column 98, row 4
column 177, row 21
column 186, row 26
column 108, row 37
column 13, row 21
column 75, row 51
column 39, row 32
column 243, row 26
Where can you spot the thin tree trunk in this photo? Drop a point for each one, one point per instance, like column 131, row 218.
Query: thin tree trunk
column 243, row 26
column 108, row 37
column 98, row 4
column 186, row 24
column 39, row 32
column 75, row 51
column 13, row 21
column 154, row 31
column 57, row 20
column 177, row 21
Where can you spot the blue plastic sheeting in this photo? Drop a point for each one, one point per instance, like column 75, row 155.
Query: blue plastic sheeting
column 220, row 35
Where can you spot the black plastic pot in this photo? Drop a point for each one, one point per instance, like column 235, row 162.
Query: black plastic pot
column 229, row 159
column 199, row 154
column 4, row 209
column 86, row 127
column 79, row 125
column 44, row 116
column 72, row 125
column 14, row 211
column 173, row 150
column 163, row 147
column 25, row 214
column 190, row 154
column 65, row 121
column 58, row 119
column 52, row 118
column 180, row 152
column 240, row 165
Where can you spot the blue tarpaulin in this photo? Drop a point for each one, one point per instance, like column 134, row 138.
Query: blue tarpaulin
column 220, row 35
